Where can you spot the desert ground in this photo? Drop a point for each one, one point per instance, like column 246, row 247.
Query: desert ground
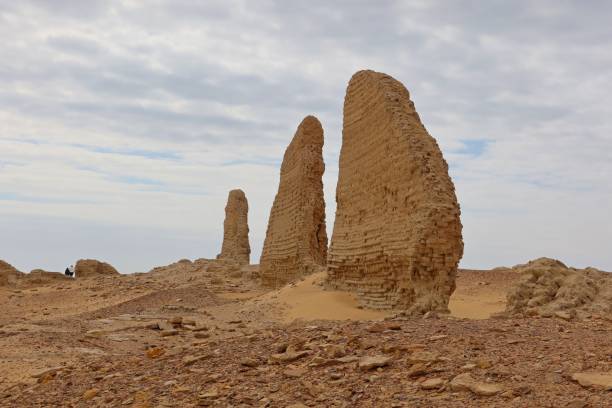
column 189, row 335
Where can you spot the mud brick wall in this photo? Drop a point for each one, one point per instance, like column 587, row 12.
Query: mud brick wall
column 296, row 239
column 397, row 235
column 236, row 229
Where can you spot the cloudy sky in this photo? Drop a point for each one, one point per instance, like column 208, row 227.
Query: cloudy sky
column 123, row 124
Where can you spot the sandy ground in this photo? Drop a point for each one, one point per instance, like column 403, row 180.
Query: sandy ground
column 97, row 334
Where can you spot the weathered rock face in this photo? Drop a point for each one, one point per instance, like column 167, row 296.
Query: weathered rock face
column 236, row 229
column 9, row 275
column 87, row 268
column 549, row 288
column 296, row 239
column 397, row 236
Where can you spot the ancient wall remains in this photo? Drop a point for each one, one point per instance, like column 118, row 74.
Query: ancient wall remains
column 397, row 235
column 296, row 239
column 236, row 229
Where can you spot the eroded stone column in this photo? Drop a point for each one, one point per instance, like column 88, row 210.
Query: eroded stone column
column 397, row 235
column 236, row 229
column 296, row 239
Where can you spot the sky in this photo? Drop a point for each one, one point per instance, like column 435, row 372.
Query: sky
column 124, row 124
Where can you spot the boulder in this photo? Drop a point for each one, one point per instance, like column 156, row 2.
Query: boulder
column 88, row 268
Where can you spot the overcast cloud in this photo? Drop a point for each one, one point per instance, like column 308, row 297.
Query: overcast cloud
column 123, row 124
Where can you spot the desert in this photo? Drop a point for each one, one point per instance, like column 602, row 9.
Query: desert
column 190, row 335
column 284, row 204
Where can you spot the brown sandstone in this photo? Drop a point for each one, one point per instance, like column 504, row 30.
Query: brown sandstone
column 236, row 229
column 87, row 268
column 8, row 274
column 296, row 239
column 397, row 235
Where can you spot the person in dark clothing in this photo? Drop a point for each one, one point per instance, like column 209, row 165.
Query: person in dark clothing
column 69, row 271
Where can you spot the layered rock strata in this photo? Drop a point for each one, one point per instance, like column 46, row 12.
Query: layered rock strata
column 236, row 229
column 296, row 239
column 397, row 235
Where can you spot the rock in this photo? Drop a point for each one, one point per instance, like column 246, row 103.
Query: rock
column 288, row 356
column 168, row 333
column 368, row 363
column 236, row 246
column 89, row 268
column 484, row 363
column 176, row 320
column 90, row 394
column 9, row 275
column 485, row 389
column 295, row 372
column 336, row 351
column 297, row 219
column 423, row 357
column 46, row 371
column 594, row 380
column 201, row 335
column 417, row 370
column 465, row 382
column 577, row 404
column 249, row 362
column 438, row 337
column 394, row 198
column 189, row 360
column 155, row 352
column 549, row 288
column 432, row 384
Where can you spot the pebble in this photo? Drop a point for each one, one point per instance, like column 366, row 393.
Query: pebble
column 432, row 384
column 90, row 394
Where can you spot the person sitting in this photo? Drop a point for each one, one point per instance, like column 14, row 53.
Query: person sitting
column 69, row 271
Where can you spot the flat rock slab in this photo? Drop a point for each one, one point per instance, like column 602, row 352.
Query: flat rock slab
column 594, row 380
column 465, row 382
column 369, row 363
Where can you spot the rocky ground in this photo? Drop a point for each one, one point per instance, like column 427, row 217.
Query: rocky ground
column 196, row 336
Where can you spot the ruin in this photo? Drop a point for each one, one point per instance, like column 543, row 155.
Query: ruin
column 236, row 229
column 296, row 238
column 397, row 235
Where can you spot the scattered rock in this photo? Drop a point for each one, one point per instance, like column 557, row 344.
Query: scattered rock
column 369, row 363
column 295, row 372
column 465, row 382
column 155, row 352
column 594, row 380
column 249, row 362
column 432, row 384
column 90, row 394
column 288, row 356
column 168, row 333
column 189, row 360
